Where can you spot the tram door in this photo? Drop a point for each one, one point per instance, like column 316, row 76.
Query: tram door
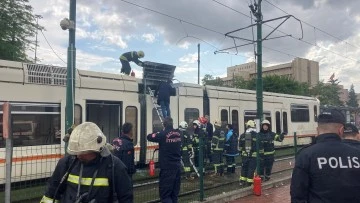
column 281, row 121
column 230, row 115
column 106, row 114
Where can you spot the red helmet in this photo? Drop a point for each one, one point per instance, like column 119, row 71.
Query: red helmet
column 203, row 120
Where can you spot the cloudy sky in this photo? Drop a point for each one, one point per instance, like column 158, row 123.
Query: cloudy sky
column 105, row 29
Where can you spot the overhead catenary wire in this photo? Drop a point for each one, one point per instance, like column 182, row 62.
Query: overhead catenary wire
column 51, row 47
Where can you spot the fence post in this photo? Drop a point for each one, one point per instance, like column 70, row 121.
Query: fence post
column 201, row 163
column 7, row 134
column 295, row 144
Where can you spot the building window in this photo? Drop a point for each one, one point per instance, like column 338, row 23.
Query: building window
column 131, row 117
column 191, row 114
column 299, row 113
column 235, row 120
column 33, row 124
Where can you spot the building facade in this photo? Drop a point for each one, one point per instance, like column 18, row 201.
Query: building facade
column 301, row 70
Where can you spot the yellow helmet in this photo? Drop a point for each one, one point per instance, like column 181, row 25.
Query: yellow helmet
column 86, row 137
column 250, row 124
column 140, row 54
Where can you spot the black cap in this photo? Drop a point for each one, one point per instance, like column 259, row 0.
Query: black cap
column 331, row 116
column 350, row 129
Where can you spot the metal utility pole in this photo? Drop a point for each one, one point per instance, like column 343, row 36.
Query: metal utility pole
column 70, row 78
column 259, row 82
column 198, row 64
column 36, row 35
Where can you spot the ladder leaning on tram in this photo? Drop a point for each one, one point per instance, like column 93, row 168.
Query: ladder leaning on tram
column 155, row 105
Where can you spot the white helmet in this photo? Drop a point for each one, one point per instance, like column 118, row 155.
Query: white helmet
column 265, row 122
column 197, row 122
column 183, row 125
column 86, row 137
column 140, row 54
column 250, row 124
column 217, row 123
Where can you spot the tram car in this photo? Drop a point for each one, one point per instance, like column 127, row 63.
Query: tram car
column 37, row 94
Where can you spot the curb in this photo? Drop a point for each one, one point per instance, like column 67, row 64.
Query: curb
column 236, row 194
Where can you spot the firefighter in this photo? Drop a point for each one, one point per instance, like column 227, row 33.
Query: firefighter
column 217, row 149
column 163, row 93
column 90, row 173
column 197, row 128
column 247, row 146
column 186, row 153
column 124, row 148
column 231, row 148
column 169, row 141
column 209, row 134
column 133, row 56
column 268, row 137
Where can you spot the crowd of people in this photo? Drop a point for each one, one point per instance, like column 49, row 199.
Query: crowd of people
column 325, row 171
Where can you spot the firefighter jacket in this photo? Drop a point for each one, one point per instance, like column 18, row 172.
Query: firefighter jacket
column 327, row 171
column 131, row 56
column 268, row 138
column 73, row 180
column 353, row 143
column 209, row 130
column 196, row 137
column 218, row 140
column 247, row 144
column 163, row 92
column 169, row 141
column 124, row 150
column 186, row 141
column 231, row 144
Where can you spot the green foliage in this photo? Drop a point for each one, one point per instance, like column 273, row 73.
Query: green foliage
column 210, row 80
column 327, row 93
column 275, row 83
column 352, row 98
column 18, row 27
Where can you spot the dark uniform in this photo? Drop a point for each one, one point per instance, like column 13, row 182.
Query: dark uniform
column 217, row 144
column 125, row 58
column 163, row 93
column 110, row 180
column 268, row 138
column 231, row 150
column 353, row 143
column 186, row 145
column 170, row 162
column 124, row 150
column 196, row 147
column 209, row 133
column 247, row 146
column 327, row 171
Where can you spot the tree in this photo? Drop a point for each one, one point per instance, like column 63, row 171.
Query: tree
column 18, row 27
column 327, row 93
column 210, row 80
column 275, row 83
column 352, row 98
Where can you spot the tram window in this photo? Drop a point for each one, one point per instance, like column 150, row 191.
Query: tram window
column 299, row 113
column 315, row 113
column 131, row 117
column 278, row 122
column 224, row 116
column 34, row 124
column 77, row 114
column 235, row 120
column 191, row 114
column 285, row 123
column 252, row 115
column 156, row 123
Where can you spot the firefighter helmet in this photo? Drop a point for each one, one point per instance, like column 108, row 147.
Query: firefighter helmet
column 250, row 124
column 140, row 54
column 217, row 123
column 183, row 125
column 265, row 122
column 196, row 122
column 86, row 137
column 203, row 120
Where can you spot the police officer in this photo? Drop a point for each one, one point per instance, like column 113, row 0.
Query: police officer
column 267, row 138
column 351, row 135
column 217, row 149
column 329, row 170
column 90, row 173
column 169, row 141
column 248, row 151
column 186, row 153
column 231, row 148
column 133, row 56
column 124, row 148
